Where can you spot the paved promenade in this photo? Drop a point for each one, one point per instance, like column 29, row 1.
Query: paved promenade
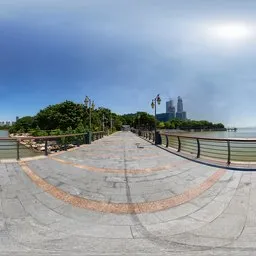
column 123, row 196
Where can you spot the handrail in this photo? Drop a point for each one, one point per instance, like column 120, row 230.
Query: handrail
column 64, row 141
column 46, row 137
column 221, row 149
column 208, row 138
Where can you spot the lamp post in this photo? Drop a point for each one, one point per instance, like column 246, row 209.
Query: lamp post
column 111, row 122
column 157, row 100
column 103, row 123
column 89, row 104
column 139, row 121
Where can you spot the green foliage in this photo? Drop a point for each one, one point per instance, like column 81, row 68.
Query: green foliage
column 39, row 133
column 169, row 125
column 23, row 124
column 191, row 125
column 80, row 128
column 70, row 118
column 140, row 120
column 55, row 132
column 60, row 116
column 161, row 125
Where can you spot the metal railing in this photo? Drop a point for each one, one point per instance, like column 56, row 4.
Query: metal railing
column 227, row 150
column 20, row 147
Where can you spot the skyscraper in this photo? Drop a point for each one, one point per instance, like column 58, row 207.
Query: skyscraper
column 169, row 106
column 170, row 109
column 179, row 105
column 180, row 113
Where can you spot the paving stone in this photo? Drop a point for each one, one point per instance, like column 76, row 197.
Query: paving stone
column 204, row 241
column 176, row 212
column 12, row 208
column 210, row 212
column 220, row 220
column 40, row 212
column 228, row 226
column 169, row 228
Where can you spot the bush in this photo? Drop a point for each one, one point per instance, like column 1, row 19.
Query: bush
column 38, row 133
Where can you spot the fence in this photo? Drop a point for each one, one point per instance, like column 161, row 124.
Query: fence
column 31, row 146
column 228, row 150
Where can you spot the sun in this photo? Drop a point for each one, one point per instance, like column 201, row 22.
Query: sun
column 232, row 31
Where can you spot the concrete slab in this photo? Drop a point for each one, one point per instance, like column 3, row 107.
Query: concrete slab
column 205, row 210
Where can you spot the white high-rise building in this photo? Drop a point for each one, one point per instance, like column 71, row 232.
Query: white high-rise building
column 181, row 114
column 170, row 109
column 180, row 105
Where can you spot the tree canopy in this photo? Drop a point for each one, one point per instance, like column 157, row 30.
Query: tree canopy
column 74, row 117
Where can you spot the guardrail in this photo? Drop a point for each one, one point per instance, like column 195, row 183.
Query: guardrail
column 30, row 146
column 228, row 150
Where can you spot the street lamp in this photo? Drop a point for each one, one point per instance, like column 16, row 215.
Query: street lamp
column 139, row 121
column 157, row 100
column 111, row 122
column 89, row 104
column 103, row 122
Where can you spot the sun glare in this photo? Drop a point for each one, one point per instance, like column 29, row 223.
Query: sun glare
column 231, row 31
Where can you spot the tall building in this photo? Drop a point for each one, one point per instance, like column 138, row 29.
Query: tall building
column 17, row 118
column 180, row 105
column 170, row 111
column 181, row 114
column 170, row 107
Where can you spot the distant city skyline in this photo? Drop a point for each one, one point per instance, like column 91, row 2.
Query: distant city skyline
column 171, row 112
column 202, row 50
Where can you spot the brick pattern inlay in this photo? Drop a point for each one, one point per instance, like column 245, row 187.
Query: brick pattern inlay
column 122, row 208
column 111, row 170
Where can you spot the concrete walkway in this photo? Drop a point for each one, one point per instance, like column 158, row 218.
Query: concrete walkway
column 123, row 196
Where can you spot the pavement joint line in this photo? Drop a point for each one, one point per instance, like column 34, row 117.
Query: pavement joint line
column 123, row 208
column 120, row 157
column 111, row 170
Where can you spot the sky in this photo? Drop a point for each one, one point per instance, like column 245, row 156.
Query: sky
column 123, row 53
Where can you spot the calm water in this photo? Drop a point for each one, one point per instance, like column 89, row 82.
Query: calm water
column 240, row 151
column 240, row 133
column 8, row 149
column 4, row 133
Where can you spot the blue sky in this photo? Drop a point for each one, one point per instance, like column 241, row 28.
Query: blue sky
column 122, row 53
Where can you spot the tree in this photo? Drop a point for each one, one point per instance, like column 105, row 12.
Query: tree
column 60, row 116
column 161, row 125
column 24, row 124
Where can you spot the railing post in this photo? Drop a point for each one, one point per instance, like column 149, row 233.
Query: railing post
column 229, row 153
column 18, row 150
column 46, row 148
column 158, row 138
column 198, row 148
column 65, row 144
column 167, row 141
column 78, row 142
column 179, row 145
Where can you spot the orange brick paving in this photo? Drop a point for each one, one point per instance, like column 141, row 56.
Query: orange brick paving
column 111, row 170
column 122, row 208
